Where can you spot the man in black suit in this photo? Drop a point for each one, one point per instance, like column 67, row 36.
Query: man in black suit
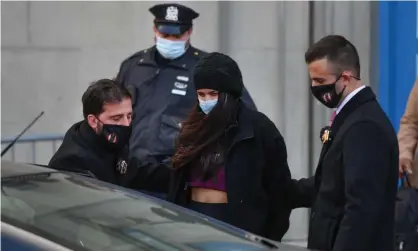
column 352, row 194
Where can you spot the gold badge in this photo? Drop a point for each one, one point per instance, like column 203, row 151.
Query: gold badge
column 325, row 136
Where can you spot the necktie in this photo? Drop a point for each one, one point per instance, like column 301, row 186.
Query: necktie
column 332, row 117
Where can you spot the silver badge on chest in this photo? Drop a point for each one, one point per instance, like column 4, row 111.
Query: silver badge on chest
column 180, row 86
column 122, row 166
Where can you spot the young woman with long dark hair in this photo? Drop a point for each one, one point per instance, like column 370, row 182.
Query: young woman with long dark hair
column 230, row 161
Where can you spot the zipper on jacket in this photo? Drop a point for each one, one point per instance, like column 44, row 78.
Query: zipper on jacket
column 226, row 169
column 185, row 186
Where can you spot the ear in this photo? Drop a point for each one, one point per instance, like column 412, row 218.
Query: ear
column 189, row 35
column 155, row 33
column 92, row 121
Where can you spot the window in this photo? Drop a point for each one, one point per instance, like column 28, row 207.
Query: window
column 83, row 215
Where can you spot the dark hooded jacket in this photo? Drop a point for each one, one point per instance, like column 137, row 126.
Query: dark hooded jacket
column 83, row 151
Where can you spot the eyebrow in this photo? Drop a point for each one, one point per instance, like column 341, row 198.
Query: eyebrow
column 116, row 115
column 318, row 78
column 171, row 35
column 204, row 93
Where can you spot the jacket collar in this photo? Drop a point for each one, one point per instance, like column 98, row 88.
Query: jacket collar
column 242, row 128
column 183, row 62
column 89, row 136
column 362, row 97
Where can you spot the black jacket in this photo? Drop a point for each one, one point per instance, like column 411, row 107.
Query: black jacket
column 255, row 171
column 82, row 150
column 353, row 192
column 163, row 97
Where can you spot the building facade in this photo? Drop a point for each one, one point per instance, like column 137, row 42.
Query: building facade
column 51, row 51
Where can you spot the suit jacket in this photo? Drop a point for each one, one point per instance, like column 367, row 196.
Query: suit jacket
column 352, row 194
column 408, row 133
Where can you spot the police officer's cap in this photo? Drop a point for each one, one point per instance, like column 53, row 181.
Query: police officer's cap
column 173, row 18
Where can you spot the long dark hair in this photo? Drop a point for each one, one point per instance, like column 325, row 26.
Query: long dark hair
column 201, row 131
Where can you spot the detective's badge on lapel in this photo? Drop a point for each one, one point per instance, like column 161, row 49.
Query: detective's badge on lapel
column 122, row 166
column 326, row 134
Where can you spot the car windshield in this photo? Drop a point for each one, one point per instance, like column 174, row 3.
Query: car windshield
column 82, row 214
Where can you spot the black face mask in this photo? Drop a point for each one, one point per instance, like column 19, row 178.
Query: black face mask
column 115, row 137
column 327, row 95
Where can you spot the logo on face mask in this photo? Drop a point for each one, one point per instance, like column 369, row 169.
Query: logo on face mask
column 327, row 97
column 170, row 49
column 115, row 136
column 112, row 138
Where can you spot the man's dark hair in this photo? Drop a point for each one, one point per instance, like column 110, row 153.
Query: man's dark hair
column 101, row 92
column 338, row 51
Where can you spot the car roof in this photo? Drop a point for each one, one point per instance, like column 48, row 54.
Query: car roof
column 10, row 169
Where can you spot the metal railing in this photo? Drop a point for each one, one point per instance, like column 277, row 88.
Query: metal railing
column 33, row 141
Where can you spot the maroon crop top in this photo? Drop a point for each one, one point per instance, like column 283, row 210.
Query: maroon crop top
column 217, row 182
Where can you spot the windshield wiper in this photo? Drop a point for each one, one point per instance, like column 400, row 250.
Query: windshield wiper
column 78, row 171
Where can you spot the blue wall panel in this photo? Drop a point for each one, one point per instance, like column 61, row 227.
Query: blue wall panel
column 398, row 55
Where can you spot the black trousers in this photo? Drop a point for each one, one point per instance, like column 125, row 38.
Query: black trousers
column 214, row 210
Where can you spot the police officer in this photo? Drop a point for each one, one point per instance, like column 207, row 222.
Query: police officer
column 163, row 94
column 98, row 145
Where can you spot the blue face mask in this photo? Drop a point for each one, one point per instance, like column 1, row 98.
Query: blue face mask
column 207, row 105
column 170, row 49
